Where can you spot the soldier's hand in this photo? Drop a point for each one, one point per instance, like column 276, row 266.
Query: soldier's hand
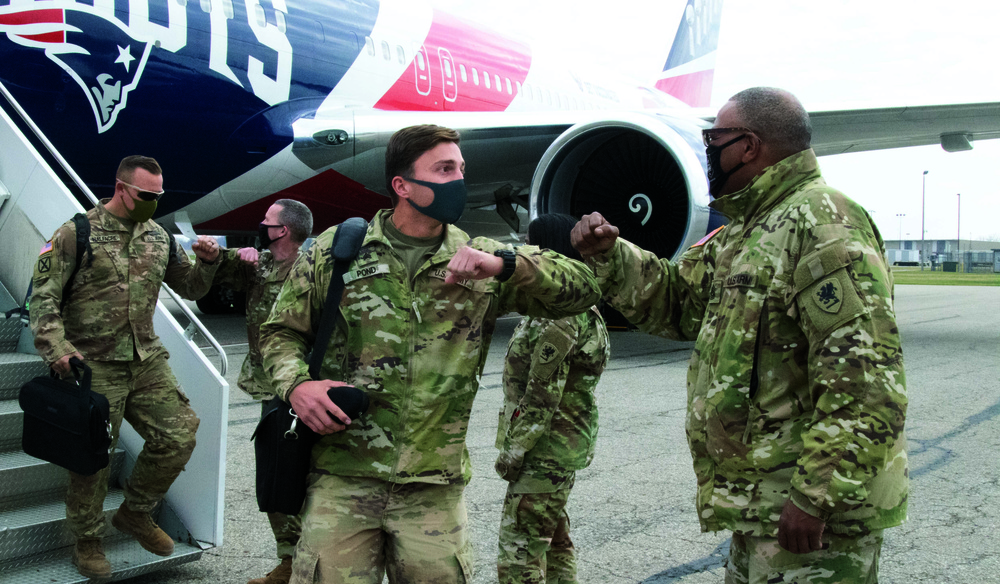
column 314, row 407
column 593, row 235
column 798, row 531
column 206, row 248
column 249, row 255
column 508, row 467
column 62, row 368
column 472, row 264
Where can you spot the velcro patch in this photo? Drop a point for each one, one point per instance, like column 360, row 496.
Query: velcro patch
column 151, row 237
column 365, row 272
column 46, row 248
column 441, row 274
column 829, row 296
column 741, row 280
column 705, row 239
column 44, row 264
column 547, row 353
column 104, row 238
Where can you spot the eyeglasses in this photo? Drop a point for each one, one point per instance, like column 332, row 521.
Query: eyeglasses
column 144, row 195
column 712, row 134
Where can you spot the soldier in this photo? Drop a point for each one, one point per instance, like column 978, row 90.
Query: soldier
column 108, row 320
column 548, row 427
column 419, row 308
column 286, row 226
column 796, row 391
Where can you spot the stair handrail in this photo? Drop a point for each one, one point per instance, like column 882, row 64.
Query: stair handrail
column 23, row 115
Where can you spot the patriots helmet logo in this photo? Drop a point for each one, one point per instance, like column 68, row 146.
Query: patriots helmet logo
column 106, row 62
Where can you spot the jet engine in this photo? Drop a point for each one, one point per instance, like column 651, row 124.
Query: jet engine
column 644, row 173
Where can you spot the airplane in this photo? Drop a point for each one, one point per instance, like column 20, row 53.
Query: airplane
column 244, row 103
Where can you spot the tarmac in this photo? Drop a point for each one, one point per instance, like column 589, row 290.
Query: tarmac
column 632, row 510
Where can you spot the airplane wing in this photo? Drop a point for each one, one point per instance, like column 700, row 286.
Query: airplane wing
column 954, row 127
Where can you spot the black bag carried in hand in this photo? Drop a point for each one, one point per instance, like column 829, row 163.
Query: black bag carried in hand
column 283, row 448
column 66, row 423
column 283, row 443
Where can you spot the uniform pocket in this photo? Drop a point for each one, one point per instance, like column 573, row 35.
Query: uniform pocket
column 827, row 296
column 466, row 560
column 305, row 565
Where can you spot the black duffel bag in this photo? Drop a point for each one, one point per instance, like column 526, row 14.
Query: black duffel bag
column 283, row 448
column 66, row 423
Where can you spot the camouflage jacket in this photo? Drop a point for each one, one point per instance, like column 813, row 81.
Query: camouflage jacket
column 109, row 315
column 417, row 346
column 549, row 417
column 796, row 386
column 262, row 285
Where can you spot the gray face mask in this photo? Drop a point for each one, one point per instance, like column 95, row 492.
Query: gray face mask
column 449, row 200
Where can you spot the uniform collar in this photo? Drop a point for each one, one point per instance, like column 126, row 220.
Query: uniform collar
column 771, row 186
column 454, row 238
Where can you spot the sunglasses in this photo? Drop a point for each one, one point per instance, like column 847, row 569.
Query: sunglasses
column 712, row 134
column 144, row 195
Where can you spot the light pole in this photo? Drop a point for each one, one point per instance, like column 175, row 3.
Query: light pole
column 900, row 215
column 958, row 241
column 923, row 192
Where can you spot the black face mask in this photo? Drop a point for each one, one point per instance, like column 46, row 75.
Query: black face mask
column 264, row 238
column 716, row 176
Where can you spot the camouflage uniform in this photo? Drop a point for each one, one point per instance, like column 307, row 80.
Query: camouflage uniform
column 418, row 347
column 796, row 386
column 109, row 320
column 546, row 432
column 262, row 283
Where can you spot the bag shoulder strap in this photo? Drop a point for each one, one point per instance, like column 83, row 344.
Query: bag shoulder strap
column 345, row 247
column 82, row 224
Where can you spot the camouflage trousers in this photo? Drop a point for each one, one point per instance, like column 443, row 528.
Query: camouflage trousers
column 535, row 547
column 147, row 395
column 286, row 528
column 847, row 560
column 355, row 530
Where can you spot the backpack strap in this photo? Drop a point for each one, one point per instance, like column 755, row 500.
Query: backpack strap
column 82, row 224
column 173, row 246
column 345, row 247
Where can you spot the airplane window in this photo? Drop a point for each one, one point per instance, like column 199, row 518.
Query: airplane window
column 510, row 90
column 486, row 79
column 548, row 97
column 400, row 55
column 497, row 79
column 463, row 73
column 385, row 51
column 258, row 12
column 206, row 6
column 447, row 68
column 182, row 2
column 280, row 18
column 519, row 88
column 370, row 46
column 227, row 8
column 475, row 76
column 420, row 61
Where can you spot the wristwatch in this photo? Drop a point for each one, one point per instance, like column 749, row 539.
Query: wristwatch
column 509, row 264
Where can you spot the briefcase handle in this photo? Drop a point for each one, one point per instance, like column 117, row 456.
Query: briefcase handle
column 81, row 372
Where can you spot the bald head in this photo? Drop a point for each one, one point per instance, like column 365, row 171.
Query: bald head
column 777, row 117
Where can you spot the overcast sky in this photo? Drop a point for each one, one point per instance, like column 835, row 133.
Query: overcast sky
column 832, row 55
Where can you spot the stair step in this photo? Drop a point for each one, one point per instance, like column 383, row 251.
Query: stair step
column 22, row 475
column 10, row 328
column 40, row 525
column 127, row 558
column 11, row 423
column 16, row 369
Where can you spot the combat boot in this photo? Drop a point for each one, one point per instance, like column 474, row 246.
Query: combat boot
column 141, row 526
column 280, row 575
column 89, row 559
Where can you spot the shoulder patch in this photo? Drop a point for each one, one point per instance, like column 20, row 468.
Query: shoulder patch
column 705, row 239
column 828, row 296
column 547, row 353
column 46, row 248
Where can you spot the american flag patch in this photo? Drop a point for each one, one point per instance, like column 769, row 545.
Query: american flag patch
column 46, row 248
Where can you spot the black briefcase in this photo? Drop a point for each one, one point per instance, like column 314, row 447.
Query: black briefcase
column 66, row 423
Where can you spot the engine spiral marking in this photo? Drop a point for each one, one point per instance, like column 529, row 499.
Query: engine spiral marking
column 636, row 208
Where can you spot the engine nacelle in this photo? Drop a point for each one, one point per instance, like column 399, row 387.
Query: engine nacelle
column 645, row 173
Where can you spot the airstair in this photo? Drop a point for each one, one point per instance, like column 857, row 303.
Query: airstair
column 35, row 544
